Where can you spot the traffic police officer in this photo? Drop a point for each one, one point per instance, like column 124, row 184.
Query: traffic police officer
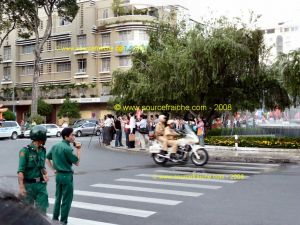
column 60, row 159
column 32, row 175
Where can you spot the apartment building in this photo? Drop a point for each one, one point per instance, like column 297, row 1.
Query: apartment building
column 282, row 37
column 79, row 58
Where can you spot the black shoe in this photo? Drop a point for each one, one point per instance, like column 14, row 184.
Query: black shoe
column 163, row 152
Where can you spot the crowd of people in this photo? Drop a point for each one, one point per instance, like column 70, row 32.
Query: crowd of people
column 138, row 129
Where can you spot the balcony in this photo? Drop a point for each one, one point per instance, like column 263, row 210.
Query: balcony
column 6, row 81
column 125, row 19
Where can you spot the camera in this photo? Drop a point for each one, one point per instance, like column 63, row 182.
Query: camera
column 77, row 144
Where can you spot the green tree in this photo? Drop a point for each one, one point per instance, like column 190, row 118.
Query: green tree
column 11, row 18
column 69, row 109
column 44, row 109
column 9, row 115
column 212, row 64
column 289, row 72
column 66, row 9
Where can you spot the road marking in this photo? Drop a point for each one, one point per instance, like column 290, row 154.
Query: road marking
column 152, row 190
column 169, row 183
column 244, row 163
column 184, row 173
column 197, row 177
column 236, row 166
column 127, row 197
column 215, row 170
column 77, row 221
column 109, row 209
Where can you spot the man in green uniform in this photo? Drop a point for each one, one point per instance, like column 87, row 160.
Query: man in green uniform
column 60, row 159
column 32, row 175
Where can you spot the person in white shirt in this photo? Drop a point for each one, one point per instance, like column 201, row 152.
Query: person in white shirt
column 143, row 130
column 132, row 127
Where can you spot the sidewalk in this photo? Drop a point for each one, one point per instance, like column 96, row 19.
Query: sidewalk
column 243, row 154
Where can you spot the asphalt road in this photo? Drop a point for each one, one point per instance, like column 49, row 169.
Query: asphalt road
column 118, row 188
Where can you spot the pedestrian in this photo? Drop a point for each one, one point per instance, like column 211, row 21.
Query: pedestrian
column 200, row 131
column 13, row 211
column 108, row 125
column 60, row 159
column 132, row 127
column 32, row 174
column 143, row 130
column 126, row 129
column 118, row 128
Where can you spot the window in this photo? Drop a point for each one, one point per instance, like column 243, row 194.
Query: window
column 270, row 31
column 81, row 65
column 81, row 41
column 105, row 65
column 49, row 46
column 66, row 43
column 27, row 70
column 28, row 49
column 41, row 69
column 49, row 68
column 279, row 44
column 126, row 35
column 143, row 35
column 63, row 66
column 6, row 73
column 105, row 39
column 63, row 21
column 41, row 25
column 7, row 53
column 105, row 14
column 286, row 29
column 125, row 61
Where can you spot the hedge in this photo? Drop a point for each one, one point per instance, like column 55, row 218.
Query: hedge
column 262, row 142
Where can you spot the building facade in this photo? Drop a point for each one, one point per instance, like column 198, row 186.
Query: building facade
column 79, row 58
column 281, row 38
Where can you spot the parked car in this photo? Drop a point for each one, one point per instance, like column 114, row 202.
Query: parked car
column 10, row 129
column 86, row 129
column 52, row 130
column 82, row 121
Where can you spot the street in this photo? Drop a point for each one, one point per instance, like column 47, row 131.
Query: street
column 112, row 187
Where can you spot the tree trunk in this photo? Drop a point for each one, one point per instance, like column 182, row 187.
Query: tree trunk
column 35, row 81
column 37, row 55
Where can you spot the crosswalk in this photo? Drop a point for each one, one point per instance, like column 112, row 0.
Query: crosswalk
column 164, row 187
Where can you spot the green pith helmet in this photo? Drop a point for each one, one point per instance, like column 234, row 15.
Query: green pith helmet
column 38, row 133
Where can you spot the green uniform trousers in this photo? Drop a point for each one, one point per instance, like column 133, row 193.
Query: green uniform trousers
column 63, row 196
column 37, row 195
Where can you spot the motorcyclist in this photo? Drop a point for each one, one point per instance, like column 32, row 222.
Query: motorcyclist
column 170, row 136
column 160, row 130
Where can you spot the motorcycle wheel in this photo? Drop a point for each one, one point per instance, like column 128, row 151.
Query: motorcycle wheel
column 203, row 157
column 159, row 160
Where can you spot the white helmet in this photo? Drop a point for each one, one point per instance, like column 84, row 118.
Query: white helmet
column 170, row 122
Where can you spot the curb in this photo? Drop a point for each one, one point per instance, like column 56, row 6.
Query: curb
column 229, row 154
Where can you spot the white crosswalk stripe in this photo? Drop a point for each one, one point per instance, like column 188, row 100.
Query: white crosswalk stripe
column 169, row 183
column 236, row 166
column 78, row 221
column 109, row 209
column 227, row 176
column 127, row 197
column 215, row 170
column 197, row 177
column 244, row 163
column 152, row 190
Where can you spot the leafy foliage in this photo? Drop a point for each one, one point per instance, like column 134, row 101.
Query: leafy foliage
column 9, row 115
column 212, row 64
column 69, row 109
column 44, row 108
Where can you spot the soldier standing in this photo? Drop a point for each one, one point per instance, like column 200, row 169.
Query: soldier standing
column 32, row 175
column 60, row 159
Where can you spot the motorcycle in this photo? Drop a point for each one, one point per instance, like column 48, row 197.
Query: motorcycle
column 188, row 147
